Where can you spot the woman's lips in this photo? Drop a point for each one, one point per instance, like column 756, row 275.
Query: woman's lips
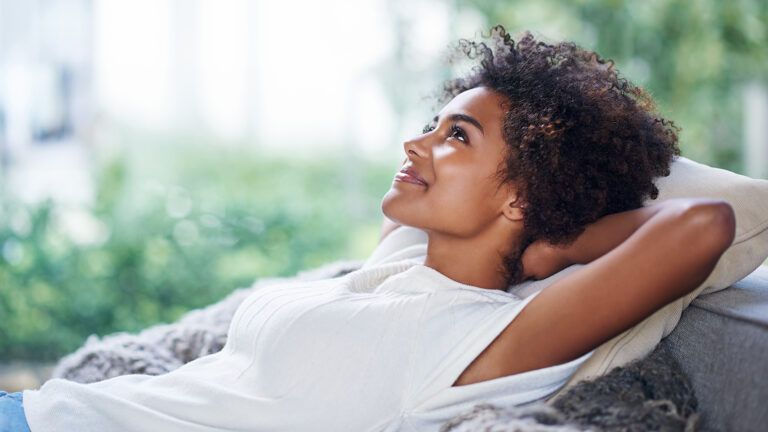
column 407, row 178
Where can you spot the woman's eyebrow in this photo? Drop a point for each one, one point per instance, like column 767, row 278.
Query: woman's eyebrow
column 463, row 117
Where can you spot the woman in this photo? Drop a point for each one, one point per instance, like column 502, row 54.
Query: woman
column 540, row 159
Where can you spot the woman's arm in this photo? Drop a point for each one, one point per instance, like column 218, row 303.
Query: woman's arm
column 542, row 259
column 671, row 253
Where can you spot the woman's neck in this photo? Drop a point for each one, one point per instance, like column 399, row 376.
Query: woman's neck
column 477, row 261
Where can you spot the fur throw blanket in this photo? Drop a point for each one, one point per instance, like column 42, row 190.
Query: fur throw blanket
column 652, row 393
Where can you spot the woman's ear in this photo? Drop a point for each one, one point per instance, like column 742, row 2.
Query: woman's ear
column 513, row 208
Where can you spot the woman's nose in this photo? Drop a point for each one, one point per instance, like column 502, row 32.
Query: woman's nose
column 415, row 147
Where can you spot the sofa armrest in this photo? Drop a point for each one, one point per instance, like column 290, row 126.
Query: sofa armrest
column 721, row 342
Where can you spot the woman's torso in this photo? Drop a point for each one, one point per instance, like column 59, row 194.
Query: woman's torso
column 375, row 350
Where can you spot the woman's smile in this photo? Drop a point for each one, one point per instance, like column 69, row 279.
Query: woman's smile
column 406, row 177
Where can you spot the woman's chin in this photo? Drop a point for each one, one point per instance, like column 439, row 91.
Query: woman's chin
column 404, row 189
column 391, row 196
column 391, row 207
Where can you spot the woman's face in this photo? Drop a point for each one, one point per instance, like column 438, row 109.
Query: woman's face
column 457, row 158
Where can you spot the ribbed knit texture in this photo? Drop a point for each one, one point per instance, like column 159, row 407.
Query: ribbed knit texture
column 374, row 350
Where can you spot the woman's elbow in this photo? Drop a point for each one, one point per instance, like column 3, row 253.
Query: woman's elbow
column 715, row 221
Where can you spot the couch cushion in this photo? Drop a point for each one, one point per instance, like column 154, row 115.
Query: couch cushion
column 748, row 302
column 749, row 199
column 721, row 343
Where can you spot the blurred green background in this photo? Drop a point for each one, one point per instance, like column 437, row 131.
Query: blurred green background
column 211, row 223
column 177, row 220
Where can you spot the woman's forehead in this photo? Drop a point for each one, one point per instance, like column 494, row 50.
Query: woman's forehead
column 482, row 103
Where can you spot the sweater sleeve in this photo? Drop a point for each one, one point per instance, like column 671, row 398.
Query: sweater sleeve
column 402, row 243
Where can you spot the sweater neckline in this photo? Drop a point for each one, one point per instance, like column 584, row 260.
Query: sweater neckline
column 445, row 280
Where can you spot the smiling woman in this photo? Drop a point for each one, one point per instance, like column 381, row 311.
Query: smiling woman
column 526, row 165
column 533, row 148
column 460, row 202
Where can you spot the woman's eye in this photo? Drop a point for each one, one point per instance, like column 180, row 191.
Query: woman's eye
column 458, row 133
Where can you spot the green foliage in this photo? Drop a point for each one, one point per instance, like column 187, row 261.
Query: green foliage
column 150, row 249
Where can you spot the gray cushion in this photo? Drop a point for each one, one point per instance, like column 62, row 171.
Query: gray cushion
column 721, row 342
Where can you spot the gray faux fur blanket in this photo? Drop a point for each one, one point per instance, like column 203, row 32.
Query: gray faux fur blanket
column 649, row 394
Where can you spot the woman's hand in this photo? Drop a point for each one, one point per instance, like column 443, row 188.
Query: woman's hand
column 542, row 259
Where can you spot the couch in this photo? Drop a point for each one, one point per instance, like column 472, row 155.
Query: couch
column 721, row 343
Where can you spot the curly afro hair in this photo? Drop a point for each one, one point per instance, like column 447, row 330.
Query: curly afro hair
column 582, row 141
